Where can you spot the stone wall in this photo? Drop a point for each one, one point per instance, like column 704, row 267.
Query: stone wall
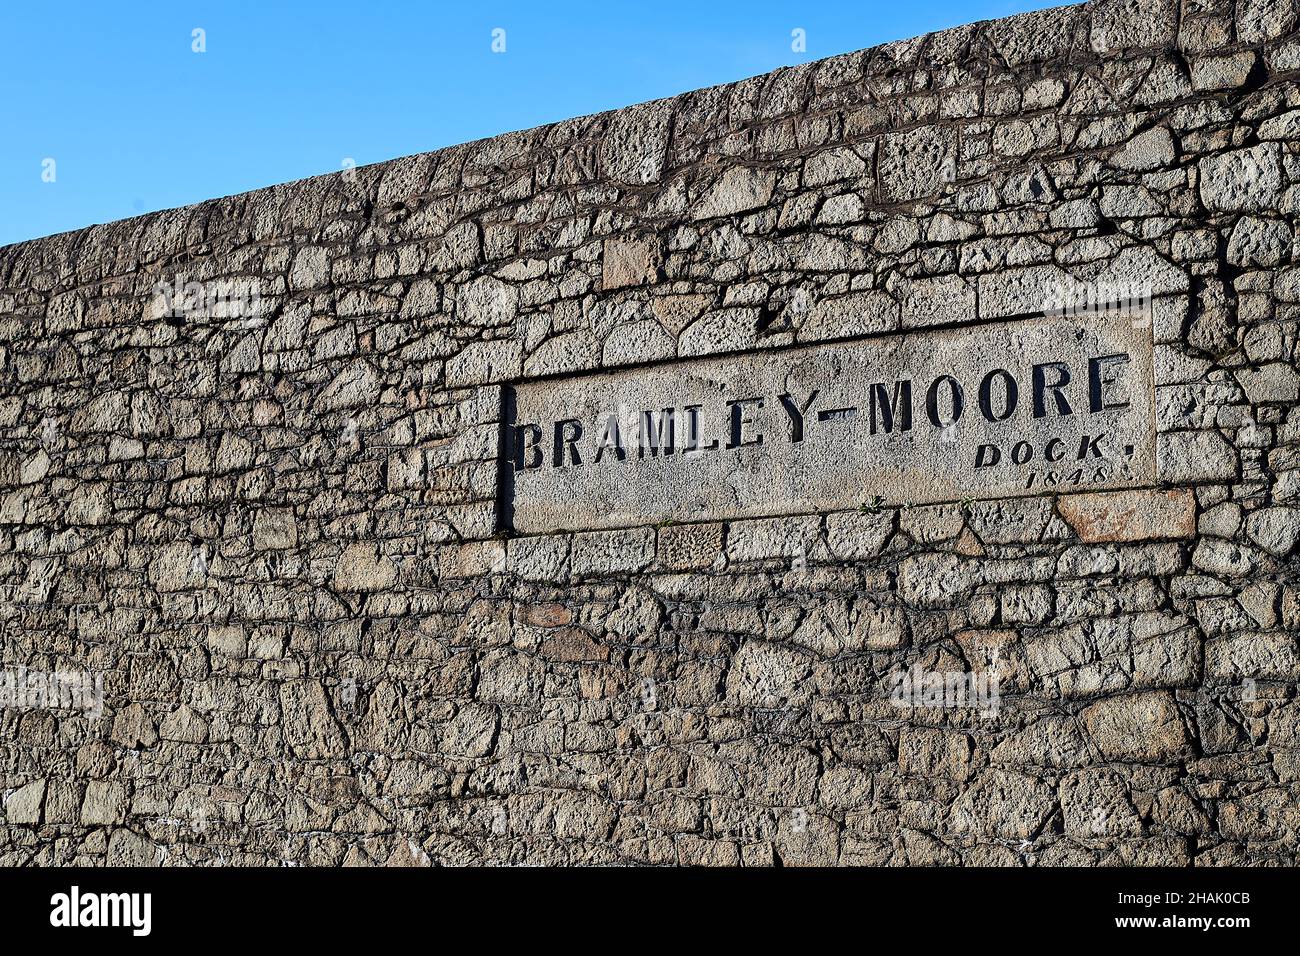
column 267, row 522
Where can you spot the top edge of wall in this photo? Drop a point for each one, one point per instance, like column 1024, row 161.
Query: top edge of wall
column 1095, row 30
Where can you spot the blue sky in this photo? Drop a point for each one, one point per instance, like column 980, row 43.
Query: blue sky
column 135, row 120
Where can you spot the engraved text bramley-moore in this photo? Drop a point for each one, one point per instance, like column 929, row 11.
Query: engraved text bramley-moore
column 1010, row 408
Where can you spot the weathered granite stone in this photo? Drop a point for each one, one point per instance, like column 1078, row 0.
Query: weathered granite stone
column 134, row 728
column 738, row 190
column 1004, row 805
column 1140, row 727
column 105, row 803
column 1130, row 515
column 1261, row 20
column 607, row 552
column 355, row 386
column 23, row 806
column 858, row 535
column 635, row 146
column 858, row 313
column 1243, row 179
column 539, row 559
column 309, row 724
column 766, row 675
column 471, row 732
column 692, row 547
column 128, row 848
column 1277, row 530
column 184, row 725
column 1256, row 242
column 629, row 262
column 917, row 163
column 1153, row 149
column 1195, row 456
column 481, row 362
column 362, row 568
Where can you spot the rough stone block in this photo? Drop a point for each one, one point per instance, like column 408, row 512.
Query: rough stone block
column 1130, row 515
column 1144, row 728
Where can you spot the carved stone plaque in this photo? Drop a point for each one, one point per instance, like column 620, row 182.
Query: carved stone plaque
column 1012, row 408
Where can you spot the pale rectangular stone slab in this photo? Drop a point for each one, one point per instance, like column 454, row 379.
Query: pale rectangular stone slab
column 837, row 426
